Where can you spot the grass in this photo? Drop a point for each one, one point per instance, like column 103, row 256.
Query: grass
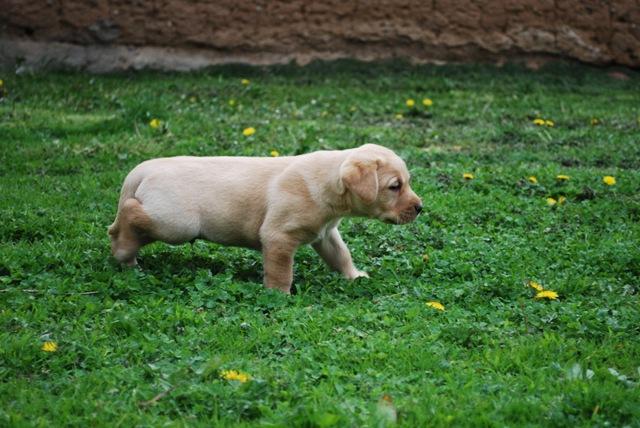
column 148, row 347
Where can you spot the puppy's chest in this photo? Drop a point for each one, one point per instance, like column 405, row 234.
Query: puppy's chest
column 324, row 231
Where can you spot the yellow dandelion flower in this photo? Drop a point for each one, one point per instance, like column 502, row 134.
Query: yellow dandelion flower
column 562, row 200
column 49, row 347
column 467, row 176
column 245, row 82
column 427, row 102
column 538, row 122
column 547, row 294
column 435, row 305
column 549, row 123
column 232, row 102
column 536, row 286
column 155, row 123
column 533, row 179
column 595, row 121
column 234, row 375
column 425, row 258
column 609, row 180
column 274, row 153
column 410, row 103
column 247, row 132
column 562, row 177
column 399, row 116
column 1, row 83
column 551, row 202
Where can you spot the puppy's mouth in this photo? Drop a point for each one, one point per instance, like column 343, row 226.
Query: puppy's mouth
column 403, row 218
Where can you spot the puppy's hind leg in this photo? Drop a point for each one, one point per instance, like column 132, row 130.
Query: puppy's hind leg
column 130, row 232
column 335, row 253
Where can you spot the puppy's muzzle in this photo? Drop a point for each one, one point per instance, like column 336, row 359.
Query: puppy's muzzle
column 408, row 215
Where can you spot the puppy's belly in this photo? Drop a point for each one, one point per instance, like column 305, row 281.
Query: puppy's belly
column 176, row 226
column 180, row 217
column 171, row 222
column 227, row 232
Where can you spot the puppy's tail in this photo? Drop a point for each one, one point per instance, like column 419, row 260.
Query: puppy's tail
column 128, row 191
column 114, row 229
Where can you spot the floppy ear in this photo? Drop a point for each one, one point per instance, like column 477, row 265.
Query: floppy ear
column 361, row 177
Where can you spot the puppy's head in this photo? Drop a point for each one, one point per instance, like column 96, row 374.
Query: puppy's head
column 377, row 181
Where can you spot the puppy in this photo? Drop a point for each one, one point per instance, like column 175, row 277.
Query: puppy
column 273, row 205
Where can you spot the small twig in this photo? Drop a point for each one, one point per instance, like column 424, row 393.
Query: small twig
column 486, row 107
column 33, row 290
column 158, row 397
column 135, row 125
column 388, row 296
column 526, row 319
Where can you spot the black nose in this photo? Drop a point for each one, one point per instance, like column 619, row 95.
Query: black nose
column 418, row 208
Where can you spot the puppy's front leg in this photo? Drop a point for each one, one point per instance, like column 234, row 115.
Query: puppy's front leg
column 278, row 263
column 335, row 253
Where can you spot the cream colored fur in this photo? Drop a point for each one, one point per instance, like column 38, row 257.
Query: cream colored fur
column 269, row 204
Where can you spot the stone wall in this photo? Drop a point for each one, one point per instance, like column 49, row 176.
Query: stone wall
column 104, row 35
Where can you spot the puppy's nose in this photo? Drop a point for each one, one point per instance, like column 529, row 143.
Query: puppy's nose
column 418, row 208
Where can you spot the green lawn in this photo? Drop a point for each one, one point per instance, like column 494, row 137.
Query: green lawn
column 149, row 347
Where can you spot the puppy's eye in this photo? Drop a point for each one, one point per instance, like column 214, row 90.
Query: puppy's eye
column 396, row 186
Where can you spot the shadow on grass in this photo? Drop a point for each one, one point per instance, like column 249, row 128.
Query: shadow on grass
column 173, row 262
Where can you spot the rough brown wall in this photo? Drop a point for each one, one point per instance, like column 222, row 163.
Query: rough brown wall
column 199, row 32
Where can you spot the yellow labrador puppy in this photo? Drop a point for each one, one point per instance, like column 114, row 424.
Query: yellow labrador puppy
column 269, row 204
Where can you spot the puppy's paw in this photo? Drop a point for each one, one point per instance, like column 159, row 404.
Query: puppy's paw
column 358, row 274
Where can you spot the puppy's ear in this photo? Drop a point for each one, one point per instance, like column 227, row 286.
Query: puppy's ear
column 360, row 176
